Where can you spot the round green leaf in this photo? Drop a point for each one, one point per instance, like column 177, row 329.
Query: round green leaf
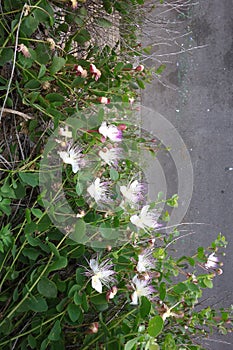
column 155, row 326
column 130, row 344
column 37, row 304
column 74, row 312
column 114, row 175
column 47, row 288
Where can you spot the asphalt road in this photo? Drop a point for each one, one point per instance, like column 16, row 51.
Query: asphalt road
column 196, row 96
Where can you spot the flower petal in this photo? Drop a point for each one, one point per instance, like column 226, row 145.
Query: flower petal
column 96, row 284
column 134, row 298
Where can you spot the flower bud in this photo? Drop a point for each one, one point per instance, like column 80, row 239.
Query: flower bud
column 94, row 327
column 111, row 293
column 51, row 43
column 74, row 4
column 139, row 68
column 122, row 127
column 103, row 100
column 22, row 48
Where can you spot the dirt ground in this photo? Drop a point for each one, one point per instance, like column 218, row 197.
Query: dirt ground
column 195, row 95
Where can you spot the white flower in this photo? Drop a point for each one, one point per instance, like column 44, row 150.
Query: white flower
column 141, row 288
column 146, row 218
column 110, row 131
column 73, row 156
column 145, row 261
column 98, row 190
column 133, row 193
column 212, row 262
column 101, row 274
column 110, row 156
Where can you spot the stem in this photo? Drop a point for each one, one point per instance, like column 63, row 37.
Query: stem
column 14, row 62
column 12, row 111
column 34, row 284
column 113, row 326
column 33, row 329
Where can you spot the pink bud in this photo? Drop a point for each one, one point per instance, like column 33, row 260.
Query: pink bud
column 96, row 73
column 111, row 293
column 93, row 68
column 80, row 71
column 139, row 68
column 94, row 327
column 122, row 127
column 104, row 100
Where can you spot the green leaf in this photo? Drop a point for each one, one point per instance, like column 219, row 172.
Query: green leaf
column 114, row 175
column 29, row 26
column 173, row 201
column 180, row 288
column 208, row 283
column 37, row 212
column 53, row 248
column 6, row 55
column 32, row 84
column 169, row 343
column 80, row 230
column 130, row 344
column 155, row 326
column 82, row 36
column 79, row 188
column 29, row 178
column 74, row 312
column 41, row 53
column 154, row 347
column 107, row 6
column 160, row 69
column 32, row 342
column 103, row 22
column 118, row 68
column 54, row 97
column 140, row 83
column 5, row 206
column 145, row 307
column 80, row 279
column 31, row 253
column 55, row 331
column 99, row 299
column 162, row 291
column 78, row 298
column 42, row 71
column 58, row 264
column 47, row 288
column 57, row 64
column 37, row 304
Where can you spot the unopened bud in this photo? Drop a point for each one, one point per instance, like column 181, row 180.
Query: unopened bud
column 122, row 127
column 103, row 100
column 94, row 327
column 111, row 293
column 139, row 68
column 51, row 43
